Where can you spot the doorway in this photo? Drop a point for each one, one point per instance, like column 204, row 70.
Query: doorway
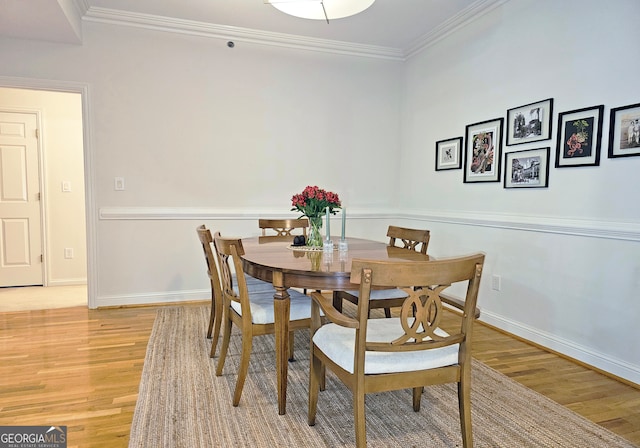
column 62, row 172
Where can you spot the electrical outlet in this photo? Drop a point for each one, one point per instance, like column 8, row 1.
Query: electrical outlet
column 68, row 252
column 118, row 183
column 496, row 282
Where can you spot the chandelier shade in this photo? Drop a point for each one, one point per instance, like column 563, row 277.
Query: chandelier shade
column 321, row 9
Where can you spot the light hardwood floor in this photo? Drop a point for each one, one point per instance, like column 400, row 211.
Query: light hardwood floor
column 81, row 368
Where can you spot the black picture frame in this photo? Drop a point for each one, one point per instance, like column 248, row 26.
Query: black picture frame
column 528, row 168
column 579, row 137
column 449, row 154
column 529, row 123
column 483, row 151
column 624, row 131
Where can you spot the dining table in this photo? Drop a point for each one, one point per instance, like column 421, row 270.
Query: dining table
column 287, row 266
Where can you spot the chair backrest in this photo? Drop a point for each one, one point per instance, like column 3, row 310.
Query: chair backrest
column 229, row 251
column 410, row 238
column 282, row 229
column 422, row 310
column 204, row 235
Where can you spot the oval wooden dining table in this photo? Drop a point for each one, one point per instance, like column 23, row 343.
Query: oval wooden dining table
column 287, row 267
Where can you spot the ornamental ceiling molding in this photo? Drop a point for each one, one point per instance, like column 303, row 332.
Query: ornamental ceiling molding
column 203, row 29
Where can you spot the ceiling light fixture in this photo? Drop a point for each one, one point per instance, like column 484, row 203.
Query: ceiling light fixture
column 321, row 9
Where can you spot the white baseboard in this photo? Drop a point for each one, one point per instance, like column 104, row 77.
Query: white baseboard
column 570, row 349
column 68, row 282
column 154, row 298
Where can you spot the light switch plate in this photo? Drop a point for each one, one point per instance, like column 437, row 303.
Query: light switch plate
column 118, row 184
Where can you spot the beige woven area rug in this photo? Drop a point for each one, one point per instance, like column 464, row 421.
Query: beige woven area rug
column 182, row 403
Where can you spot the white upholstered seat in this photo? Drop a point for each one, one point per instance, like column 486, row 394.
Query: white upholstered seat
column 406, row 352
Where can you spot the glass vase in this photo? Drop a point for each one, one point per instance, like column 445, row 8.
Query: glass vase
column 314, row 239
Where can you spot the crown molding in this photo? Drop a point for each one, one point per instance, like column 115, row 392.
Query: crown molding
column 203, row 29
column 463, row 18
column 195, row 28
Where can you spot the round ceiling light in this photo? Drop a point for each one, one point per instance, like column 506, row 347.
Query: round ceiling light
column 321, row 9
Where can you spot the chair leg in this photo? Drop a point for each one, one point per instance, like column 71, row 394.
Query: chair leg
column 217, row 322
column 464, row 403
column 247, row 343
column 211, row 319
column 225, row 344
column 315, row 370
column 387, row 312
column 323, row 377
column 359, row 418
column 417, row 395
column 291, row 341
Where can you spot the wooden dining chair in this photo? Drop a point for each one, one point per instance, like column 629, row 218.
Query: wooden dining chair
column 252, row 312
column 410, row 239
column 215, row 316
column 282, row 229
column 406, row 352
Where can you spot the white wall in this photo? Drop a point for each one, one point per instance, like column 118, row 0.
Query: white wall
column 192, row 124
column 62, row 160
column 574, row 293
column 207, row 134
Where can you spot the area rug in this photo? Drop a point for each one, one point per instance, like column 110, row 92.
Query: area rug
column 182, row 403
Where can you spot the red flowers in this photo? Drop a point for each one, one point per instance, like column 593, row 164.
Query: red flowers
column 313, row 202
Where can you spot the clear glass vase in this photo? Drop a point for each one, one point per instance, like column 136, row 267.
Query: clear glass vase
column 314, row 239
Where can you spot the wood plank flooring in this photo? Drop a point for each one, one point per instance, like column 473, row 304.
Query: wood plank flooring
column 81, row 368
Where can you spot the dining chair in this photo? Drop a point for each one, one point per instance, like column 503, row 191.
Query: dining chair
column 251, row 311
column 282, row 229
column 215, row 316
column 410, row 239
column 406, row 352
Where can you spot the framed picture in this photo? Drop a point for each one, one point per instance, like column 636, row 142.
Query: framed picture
column 624, row 131
column 449, row 154
column 579, row 137
column 527, row 169
column 529, row 123
column 483, row 151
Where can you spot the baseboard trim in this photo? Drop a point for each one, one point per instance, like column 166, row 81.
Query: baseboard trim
column 616, row 368
column 160, row 298
column 68, row 282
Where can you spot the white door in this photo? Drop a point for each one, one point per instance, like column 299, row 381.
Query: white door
column 20, row 230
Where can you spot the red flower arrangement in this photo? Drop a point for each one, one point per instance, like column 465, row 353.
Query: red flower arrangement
column 313, row 202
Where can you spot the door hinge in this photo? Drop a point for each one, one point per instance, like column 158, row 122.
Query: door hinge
column 41, row 258
column 37, row 133
column 37, row 196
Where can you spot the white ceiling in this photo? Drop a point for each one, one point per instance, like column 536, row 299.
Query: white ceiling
column 395, row 24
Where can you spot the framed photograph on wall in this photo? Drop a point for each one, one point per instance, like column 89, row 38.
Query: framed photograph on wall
column 527, row 169
column 624, row 131
column 579, row 137
column 449, row 154
column 483, row 149
column 529, row 123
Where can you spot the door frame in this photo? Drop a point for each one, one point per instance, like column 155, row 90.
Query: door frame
column 89, row 174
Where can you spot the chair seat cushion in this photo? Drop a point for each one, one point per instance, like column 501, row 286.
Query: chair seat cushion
column 338, row 343
column 262, row 306
column 382, row 294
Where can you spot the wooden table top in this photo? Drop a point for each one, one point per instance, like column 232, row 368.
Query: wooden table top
column 315, row 270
